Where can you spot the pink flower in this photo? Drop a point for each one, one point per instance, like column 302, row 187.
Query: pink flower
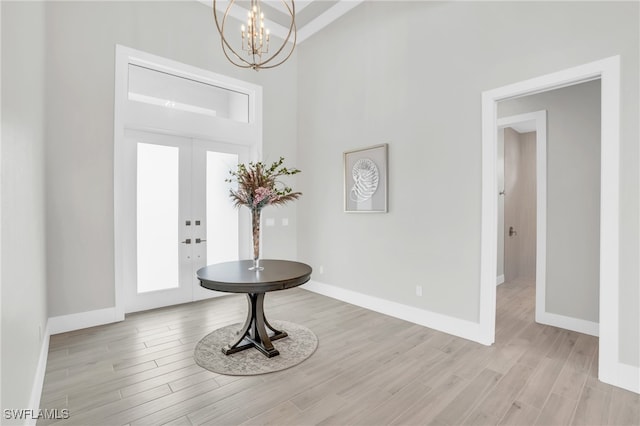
column 261, row 195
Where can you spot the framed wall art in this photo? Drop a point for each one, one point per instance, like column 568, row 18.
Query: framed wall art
column 365, row 180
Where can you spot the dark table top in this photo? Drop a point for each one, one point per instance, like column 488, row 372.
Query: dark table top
column 235, row 277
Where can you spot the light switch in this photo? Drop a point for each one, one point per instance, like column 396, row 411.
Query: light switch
column 285, row 221
column 271, row 221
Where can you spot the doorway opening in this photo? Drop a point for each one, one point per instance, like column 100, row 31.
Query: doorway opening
column 178, row 130
column 608, row 71
column 521, row 179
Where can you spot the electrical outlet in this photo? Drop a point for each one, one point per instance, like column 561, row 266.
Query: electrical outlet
column 285, row 221
column 418, row 290
column 321, row 269
column 270, row 221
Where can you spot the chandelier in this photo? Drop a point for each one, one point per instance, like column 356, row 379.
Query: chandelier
column 252, row 40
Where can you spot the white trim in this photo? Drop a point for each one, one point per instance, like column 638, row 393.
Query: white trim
column 608, row 70
column 240, row 13
column 326, row 18
column 279, row 6
column 71, row 322
column 304, row 32
column 500, row 279
column 625, row 376
column 461, row 328
column 489, row 219
column 521, row 119
column 609, row 223
column 38, row 380
column 541, row 213
column 569, row 323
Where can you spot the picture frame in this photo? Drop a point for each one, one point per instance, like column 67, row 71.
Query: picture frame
column 366, row 179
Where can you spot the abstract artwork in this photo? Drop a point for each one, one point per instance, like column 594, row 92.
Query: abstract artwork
column 365, row 180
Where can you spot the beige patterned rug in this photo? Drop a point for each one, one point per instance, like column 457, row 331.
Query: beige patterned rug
column 299, row 345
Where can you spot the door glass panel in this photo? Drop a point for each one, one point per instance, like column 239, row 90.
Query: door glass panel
column 172, row 91
column 157, row 217
column 222, row 216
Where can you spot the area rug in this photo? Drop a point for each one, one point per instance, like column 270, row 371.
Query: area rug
column 299, row 345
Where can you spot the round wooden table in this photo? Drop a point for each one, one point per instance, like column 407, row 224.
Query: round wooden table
column 235, row 277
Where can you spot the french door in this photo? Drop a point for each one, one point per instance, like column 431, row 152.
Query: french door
column 179, row 217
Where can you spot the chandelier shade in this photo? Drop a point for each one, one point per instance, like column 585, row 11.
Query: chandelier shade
column 249, row 45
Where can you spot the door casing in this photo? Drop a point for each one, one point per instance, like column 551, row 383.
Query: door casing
column 610, row 370
column 151, row 118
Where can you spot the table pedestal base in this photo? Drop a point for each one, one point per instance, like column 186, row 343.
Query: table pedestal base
column 254, row 332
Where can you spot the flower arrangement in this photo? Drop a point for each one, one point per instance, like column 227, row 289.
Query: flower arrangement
column 258, row 187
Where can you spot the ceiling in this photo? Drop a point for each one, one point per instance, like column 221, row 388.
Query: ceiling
column 311, row 15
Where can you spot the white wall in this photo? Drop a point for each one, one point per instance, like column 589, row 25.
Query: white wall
column 81, row 38
column 573, row 195
column 411, row 74
column 24, row 292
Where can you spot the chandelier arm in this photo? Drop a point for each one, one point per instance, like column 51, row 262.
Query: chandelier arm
column 282, row 61
column 225, row 45
column 292, row 27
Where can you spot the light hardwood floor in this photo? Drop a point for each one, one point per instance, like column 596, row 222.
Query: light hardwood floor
column 369, row 369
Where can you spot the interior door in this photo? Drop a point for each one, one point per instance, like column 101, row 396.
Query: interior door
column 519, row 205
column 180, row 217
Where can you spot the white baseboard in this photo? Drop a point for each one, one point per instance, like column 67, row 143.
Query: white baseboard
column 626, row 377
column 57, row 325
column 499, row 279
column 458, row 327
column 38, row 380
column 574, row 324
column 64, row 323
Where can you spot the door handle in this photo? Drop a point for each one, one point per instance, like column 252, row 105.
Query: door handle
column 187, row 241
column 198, row 241
column 512, row 231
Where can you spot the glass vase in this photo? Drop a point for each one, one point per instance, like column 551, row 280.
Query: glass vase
column 255, row 227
